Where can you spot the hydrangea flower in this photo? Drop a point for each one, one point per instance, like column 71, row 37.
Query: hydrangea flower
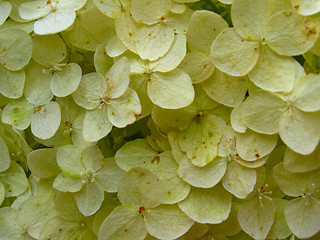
column 52, row 16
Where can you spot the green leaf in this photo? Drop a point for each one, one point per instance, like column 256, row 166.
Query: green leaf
column 42, row 163
column 65, row 82
column 213, row 205
column 141, row 188
column 153, row 42
column 256, row 216
column 167, row 222
column 303, row 216
column 18, row 113
column 46, row 120
column 234, row 55
column 48, row 50
column 89, row 198
column 123, row 223
column 15, row 48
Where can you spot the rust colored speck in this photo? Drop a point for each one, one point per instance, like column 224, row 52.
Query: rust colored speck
column 163, row 18
column 156, row 159
column 257, row 155
column 296, row 7
column 67, row 123
column 49, row 2
column 38, row 109
column 141, row 209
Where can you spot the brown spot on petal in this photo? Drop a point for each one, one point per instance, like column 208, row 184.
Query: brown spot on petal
column 287, row 13
column 156, row 159
column 137, row 115
column 257, row 155
column 141, row 209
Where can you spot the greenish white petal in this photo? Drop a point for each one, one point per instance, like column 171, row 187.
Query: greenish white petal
column 46, row 120
column 141, row 188
column 273, row 72
column 294, row 36
column 303, row 216
column 171, row 90
column 167, row 222
column 153, row 42
column 89, row 198
column 256, row 216
column 210, row 205
column 234, row 55
column 300, row 130
column 66, row 81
